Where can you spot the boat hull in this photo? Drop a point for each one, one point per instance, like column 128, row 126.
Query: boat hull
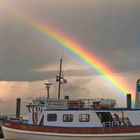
column 15, row 134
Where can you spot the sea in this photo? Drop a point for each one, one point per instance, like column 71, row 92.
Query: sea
column 85, row 139
column 82, row 139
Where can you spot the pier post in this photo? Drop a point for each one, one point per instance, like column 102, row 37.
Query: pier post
column 129, row 101
column 18, row 104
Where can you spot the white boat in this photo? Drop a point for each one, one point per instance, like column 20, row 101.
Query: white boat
column 78, row 119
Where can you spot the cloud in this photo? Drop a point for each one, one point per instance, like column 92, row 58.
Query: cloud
column 108, row 29
column 91, row 86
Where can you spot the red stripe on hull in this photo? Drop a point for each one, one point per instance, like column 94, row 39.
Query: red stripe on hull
column 105, row 130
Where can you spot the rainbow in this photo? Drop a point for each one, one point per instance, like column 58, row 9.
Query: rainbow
column 77, row 50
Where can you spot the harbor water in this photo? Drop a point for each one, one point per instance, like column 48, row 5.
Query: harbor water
column 70, row 139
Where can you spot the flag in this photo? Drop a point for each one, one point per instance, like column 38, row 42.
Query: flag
column 64, row 81
column 57, row 78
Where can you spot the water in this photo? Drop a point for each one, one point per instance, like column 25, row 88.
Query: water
column 85, row 139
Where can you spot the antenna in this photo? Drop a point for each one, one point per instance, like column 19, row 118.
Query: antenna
column 48, row 86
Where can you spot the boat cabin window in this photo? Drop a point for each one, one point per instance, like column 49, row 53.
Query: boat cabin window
column 84, row 117
column 105, row 116
column 52, row 117
column 42, row 102
column 67, row 118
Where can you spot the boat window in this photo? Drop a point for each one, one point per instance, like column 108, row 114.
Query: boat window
column 105, row 116
column 67, row 118
column 52, row 117
column 42, row 102
column 84, row 117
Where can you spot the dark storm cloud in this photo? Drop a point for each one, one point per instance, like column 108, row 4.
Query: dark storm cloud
column 22, row 50
column 110, row 29
column 28, row 75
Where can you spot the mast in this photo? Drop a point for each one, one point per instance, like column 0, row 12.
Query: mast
column 60, row 79
column 60, row 72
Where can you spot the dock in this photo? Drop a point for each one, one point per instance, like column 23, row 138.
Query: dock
column 2, row 119
column 1, row 123
column 1, row 133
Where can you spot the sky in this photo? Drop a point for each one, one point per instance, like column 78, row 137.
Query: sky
column 109, row 29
